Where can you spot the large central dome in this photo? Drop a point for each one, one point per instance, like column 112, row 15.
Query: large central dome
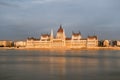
column 60, row 33
column 60, row 29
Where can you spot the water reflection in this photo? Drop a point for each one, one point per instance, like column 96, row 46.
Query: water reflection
column 55, row 65
column 58, row 66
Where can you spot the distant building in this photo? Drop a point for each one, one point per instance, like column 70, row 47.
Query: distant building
column 20, row 43
column 106, row 43
column 77, row 41
column 61, row 33
column 76, row 36
column 5, row 43
column 118, row 43
column 45, row 37
column 92, row 41
column 33, row 42
column 61, row 41
column 114, row 43
column 100, row 43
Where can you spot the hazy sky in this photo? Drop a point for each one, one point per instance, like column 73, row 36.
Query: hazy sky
column 20, row 19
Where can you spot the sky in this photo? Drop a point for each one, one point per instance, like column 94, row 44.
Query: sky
column 20, row 19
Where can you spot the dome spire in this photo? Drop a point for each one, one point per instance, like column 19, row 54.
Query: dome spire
column 60, row 29
column 60, row 26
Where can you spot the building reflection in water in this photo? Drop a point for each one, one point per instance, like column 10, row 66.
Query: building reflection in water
column 58, row 66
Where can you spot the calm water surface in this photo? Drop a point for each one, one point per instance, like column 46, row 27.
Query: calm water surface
column 59, row 65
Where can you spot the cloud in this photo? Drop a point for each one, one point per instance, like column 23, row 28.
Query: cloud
column 47, row 1
column 7, row 4
column 42, row 1
column 88, row 16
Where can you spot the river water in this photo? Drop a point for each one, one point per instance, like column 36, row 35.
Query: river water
column 59, row 65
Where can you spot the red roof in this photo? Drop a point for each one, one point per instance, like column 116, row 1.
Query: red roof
column 60, row 29
column 45, row 35
column 76, row 34
column 68, row 38
column 92, row 37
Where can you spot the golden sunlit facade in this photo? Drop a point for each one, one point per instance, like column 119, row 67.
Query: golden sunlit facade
column 5, row 43
column 61, row 41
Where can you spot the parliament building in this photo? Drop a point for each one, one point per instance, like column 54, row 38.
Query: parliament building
column 61, row 41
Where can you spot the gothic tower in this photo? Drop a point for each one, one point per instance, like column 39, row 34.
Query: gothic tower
column 60, row 33
column 51, row 35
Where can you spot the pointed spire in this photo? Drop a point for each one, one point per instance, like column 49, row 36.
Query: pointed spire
column 79, row 32
column 60, row 26
column 60, row 29
column 51, row 33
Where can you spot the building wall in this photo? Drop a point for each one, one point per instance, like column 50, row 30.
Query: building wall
column 5, row 43
column 68, row 44
column 58, row 43
column 38, row 44
column 92, row 43
column 118, row 43
column 106, row 43
column 20, row 43
column 78, row 43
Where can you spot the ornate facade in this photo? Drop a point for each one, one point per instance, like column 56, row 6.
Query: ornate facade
column 61, row 41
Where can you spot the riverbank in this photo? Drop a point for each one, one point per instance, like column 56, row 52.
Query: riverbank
column 92, row 48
